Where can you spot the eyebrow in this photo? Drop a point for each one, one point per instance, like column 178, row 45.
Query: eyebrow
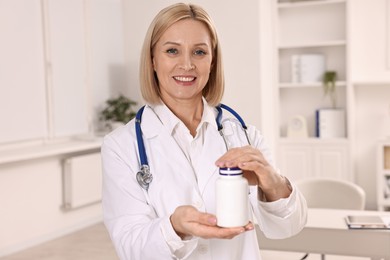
column 178, row 44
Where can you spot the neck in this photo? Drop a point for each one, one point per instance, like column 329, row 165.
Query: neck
column 190, row 113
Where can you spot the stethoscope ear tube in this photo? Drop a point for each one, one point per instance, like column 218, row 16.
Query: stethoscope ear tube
column 234, row 113
column 219, row 117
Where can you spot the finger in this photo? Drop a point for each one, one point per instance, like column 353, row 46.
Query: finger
column 218, row 232
column 249, row 226
column 205, row 219
column 236, row 156
column 244, row 162
column 254, row 166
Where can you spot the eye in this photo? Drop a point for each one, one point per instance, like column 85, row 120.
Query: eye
column 172, row 51
column 199, row 52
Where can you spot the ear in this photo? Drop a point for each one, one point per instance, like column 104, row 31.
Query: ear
column 154, row 64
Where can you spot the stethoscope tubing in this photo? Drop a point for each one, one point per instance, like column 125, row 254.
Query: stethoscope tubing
column 144, row 177
column 140, row 142
column 234, row 113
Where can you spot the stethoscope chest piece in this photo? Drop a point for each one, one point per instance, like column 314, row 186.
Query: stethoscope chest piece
column 144, row 177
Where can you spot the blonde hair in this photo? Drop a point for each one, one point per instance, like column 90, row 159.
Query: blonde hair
column 213, row 91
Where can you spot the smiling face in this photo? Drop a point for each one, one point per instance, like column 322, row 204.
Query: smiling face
column 182, row 60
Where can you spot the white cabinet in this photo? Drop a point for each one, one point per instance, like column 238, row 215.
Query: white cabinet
column 383, row 175
column 331, row 161
column 60, row 61
column 22, row 71
column 370, row 34
column 313, row 159
column 294, row 161
column 67, row 66
column 311, row 28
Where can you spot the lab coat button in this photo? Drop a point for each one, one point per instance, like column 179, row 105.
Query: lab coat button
column 202, row 249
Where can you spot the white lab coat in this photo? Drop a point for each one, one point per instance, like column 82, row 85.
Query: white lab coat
column 138, row 221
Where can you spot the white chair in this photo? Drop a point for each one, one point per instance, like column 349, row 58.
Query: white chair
column 331, row 194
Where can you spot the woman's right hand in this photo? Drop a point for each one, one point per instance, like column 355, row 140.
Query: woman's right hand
column 188, row 221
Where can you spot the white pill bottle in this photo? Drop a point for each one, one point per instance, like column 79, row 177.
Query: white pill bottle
column 231, row 198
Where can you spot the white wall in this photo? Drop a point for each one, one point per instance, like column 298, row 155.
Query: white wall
column 372, row 124
column 238, row 30
column 370, row 75
column 22, row 79
column 31, row 201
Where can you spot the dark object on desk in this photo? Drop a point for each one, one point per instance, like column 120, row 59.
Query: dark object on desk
column 366, row 222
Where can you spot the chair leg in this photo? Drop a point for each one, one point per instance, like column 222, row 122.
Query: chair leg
column 305, row 256
column 322, row 256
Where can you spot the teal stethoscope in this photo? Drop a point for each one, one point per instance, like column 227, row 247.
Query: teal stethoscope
column 144, row 177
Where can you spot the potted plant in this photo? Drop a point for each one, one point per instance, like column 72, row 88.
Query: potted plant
column 329, row 84
column 118, row 111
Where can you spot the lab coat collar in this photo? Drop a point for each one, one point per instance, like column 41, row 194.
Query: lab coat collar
column 164, row 116
column 151, row 125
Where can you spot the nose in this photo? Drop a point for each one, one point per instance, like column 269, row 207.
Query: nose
column 186, row 62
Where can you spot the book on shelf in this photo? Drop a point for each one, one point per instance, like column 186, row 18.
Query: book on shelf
column 386, row 187
column 367, row 222
column 307, row 68
column 330, row 123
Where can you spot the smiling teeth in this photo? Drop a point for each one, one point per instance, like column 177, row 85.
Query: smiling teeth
column 186, row 79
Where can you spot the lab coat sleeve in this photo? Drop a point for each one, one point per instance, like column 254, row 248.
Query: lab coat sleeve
column 282, row 218
column 135, row 229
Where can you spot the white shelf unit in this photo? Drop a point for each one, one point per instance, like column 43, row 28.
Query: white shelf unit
column 311, row 27
column 383, row 175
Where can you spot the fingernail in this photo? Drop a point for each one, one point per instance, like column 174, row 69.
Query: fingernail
column 212, row 220
column 230, row 164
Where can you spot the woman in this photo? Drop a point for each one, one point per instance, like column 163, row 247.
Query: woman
column 182, row 80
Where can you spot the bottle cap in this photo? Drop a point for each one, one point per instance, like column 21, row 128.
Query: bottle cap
column 226, row 171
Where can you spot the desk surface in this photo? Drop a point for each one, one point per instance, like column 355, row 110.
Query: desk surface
column 335, row 218
column 326, row 232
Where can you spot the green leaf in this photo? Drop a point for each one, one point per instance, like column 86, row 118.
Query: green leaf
column 118, row 109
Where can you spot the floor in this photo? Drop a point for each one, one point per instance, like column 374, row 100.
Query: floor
column 94, row 243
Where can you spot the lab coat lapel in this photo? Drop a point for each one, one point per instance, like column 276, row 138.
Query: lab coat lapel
column 171, row 150
column 177, row 157
column 213, row 148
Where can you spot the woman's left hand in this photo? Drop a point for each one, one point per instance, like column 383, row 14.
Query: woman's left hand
column 256, row 170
